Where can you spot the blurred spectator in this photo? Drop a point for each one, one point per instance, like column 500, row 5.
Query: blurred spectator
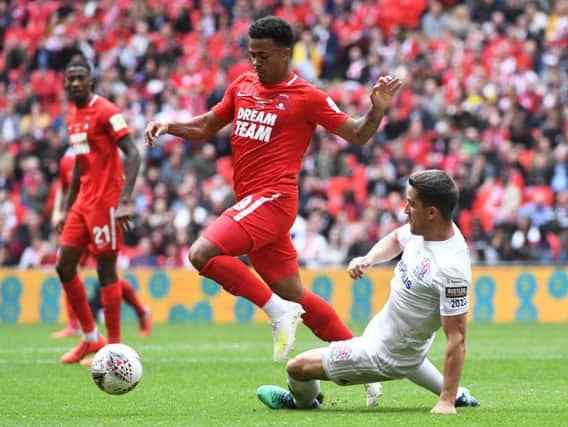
column 312, row 245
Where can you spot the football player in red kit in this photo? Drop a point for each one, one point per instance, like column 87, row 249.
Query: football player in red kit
column 274, row 113
column 98, row 204
column 128, row 293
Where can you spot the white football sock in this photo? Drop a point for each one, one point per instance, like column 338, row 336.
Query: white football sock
column 275, row 307
column 92, row 336
column 429, row 377
column 304, row 392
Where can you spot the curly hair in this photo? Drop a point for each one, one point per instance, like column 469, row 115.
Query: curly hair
column 272, row 27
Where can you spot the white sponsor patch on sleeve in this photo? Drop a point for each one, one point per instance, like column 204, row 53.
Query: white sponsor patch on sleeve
column 332, row 104
column 117, row 122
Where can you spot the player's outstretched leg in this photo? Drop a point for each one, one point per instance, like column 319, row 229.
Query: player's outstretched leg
column 465, row 398
column 323, row 321
column 237, row 279
column 284, row 331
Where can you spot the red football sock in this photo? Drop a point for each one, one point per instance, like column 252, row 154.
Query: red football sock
column 111, row 297
column 72, row 320
column 237, row 279
column 129, row 295
column 77, row 298
column 322, row 319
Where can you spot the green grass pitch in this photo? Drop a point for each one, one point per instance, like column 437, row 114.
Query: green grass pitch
column 207, row 375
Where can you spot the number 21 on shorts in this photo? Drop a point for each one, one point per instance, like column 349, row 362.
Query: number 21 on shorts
column 101, row 235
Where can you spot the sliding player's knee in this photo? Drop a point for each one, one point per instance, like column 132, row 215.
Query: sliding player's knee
column 294, row 367
column 299, row 368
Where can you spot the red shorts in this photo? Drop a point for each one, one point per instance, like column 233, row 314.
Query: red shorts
column 92, row 229
column 267, row 218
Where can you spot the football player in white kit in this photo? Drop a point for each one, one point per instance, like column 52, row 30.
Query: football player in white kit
column 429, row 290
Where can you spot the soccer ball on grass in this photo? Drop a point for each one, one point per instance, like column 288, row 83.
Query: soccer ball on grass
column 116, row 369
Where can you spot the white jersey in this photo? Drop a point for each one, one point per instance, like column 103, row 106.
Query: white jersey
column 432, row 279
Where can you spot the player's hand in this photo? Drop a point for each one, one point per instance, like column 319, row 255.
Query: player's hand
column 443, row 407
column 153, row 131
column 384, row 91
column 357, row 267
column 58, row 220
column 125, row 214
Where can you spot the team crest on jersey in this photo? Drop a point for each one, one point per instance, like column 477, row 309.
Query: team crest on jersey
column 341, row 352
column 281, row 101
column 422, row 268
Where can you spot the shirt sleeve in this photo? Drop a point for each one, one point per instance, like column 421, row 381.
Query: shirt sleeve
column 404, row 236
column 322, row 110
column 225, row 109
column 114, row 123
column 454, row 293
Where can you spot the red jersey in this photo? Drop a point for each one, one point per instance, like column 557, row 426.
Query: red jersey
column 272, row 128
column 94, row 132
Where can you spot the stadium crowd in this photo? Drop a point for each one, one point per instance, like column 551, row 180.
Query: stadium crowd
column 485, row 98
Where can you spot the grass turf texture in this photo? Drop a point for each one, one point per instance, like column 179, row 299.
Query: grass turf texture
column 207, row 375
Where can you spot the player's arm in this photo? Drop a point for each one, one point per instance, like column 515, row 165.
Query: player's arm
column 384, row 250
column 131, row 166
column 73, row 187
column 454, row 328
column 198, row 128
column 359, row 131
column 58, row 214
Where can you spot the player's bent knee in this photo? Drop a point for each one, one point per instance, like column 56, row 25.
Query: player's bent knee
column 201, row 252
column 299, row 368
column 65, row 271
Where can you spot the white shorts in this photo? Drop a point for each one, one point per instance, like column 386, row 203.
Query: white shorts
column 359, row 361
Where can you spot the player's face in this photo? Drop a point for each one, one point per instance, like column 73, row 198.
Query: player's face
column 270, row 61
column 77, row 84
column 417, row 213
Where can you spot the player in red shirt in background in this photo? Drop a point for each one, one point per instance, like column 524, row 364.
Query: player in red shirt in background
column 98, row 204
column 274, row 113
column 128, row 293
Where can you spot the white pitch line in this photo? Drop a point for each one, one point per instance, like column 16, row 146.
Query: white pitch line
column 148, row 347
column 161, row 361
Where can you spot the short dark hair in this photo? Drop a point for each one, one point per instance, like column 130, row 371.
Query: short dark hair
column 79, row 62
column 435, row 188
column 272, row 27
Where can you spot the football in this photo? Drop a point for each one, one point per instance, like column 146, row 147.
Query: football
column 116, row 369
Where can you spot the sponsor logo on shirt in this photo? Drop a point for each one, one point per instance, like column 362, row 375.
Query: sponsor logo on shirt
column 254, row 124
column 403, row 269
column 79, row 143
column 456, row 292
column 117, row 122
